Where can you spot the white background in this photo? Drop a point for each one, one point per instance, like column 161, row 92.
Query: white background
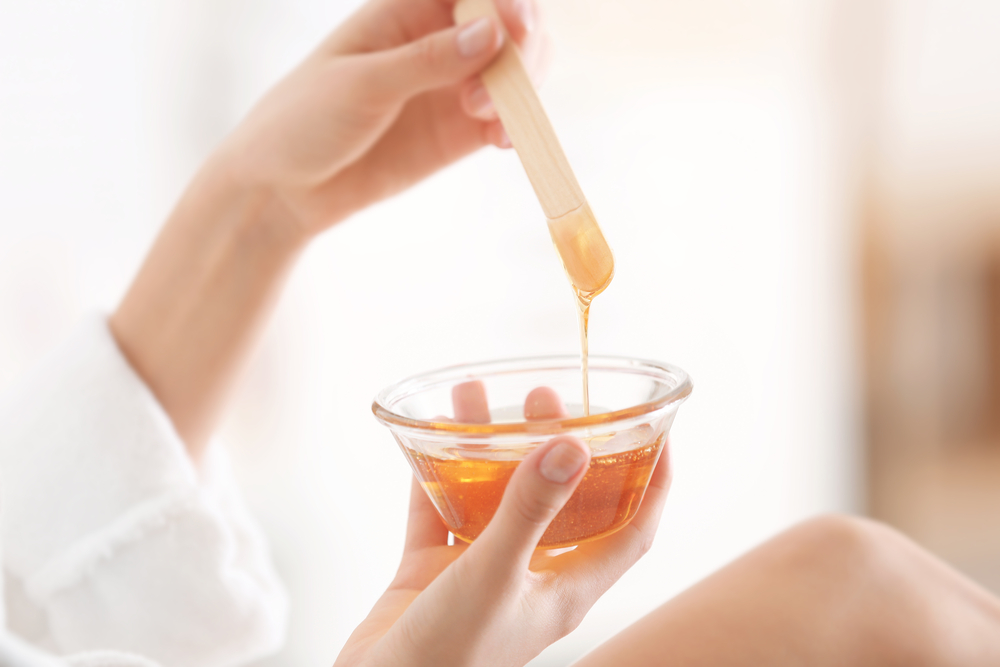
column 705, row 137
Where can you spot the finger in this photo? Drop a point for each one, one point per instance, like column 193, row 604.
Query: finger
column 493, row 133
column 469, row 402
column 544, row 403
column 424, row 527
column 476, row 100
column 440, row 59
column 539, row 488
column 520, row 17
column 536, row 54
column 379, row 174
column 377, row 26
column 594, row 566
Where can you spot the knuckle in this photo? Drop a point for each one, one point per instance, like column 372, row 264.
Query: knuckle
column 568, row 613
column 426, row 53
column 570, row 619
column 645, row 543
column 642, row 541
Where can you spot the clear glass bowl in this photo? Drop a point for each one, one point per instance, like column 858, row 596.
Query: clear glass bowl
column 464, row 467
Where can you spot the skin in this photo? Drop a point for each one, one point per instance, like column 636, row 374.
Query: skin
column 387, row 99
column 462, row 604
column 384, row 101
column 832, row 591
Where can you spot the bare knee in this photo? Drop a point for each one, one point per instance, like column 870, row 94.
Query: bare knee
column 839, row 545
column 873, row 589
column 830, row 568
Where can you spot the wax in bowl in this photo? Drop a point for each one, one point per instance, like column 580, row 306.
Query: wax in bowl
column 465, row 467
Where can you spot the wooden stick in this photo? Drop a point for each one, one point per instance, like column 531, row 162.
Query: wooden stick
column 581, row 244
column 525, row 121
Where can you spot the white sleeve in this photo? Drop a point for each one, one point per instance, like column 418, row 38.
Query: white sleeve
column 14, row 652
column 115, row 536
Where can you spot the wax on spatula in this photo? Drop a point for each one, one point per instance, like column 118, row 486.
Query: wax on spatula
column 585, row 254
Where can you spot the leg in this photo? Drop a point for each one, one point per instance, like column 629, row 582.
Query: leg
column 832, row 591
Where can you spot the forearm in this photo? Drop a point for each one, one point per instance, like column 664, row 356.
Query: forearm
column 343, row 130
column 192, row 314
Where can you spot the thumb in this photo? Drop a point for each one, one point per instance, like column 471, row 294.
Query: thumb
column 539, row 488
column 440, row 59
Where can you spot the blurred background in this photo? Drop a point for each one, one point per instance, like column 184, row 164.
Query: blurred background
column 804, row 201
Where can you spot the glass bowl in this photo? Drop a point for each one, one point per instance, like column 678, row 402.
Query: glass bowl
column 465, row 467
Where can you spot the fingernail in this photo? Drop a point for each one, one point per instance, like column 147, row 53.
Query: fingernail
column 505, row 141
column 526, row 13
column 480, row 102
column 562, row 463
column 476, row 37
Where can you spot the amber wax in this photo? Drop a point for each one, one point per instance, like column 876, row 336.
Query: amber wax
column 467, row 485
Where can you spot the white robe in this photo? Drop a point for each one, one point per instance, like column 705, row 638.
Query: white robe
column 116, row 550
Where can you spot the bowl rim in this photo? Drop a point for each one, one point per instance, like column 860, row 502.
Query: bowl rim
column 421, row 381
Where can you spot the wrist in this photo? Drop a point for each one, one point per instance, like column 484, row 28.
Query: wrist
column 250, row 208
column 250, row 163
column 193, row 312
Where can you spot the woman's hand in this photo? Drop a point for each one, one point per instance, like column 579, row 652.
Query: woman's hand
column 386, row 100
column 498, row 601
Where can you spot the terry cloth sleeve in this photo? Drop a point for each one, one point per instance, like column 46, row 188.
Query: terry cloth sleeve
column 114, row 534
column 14, row 652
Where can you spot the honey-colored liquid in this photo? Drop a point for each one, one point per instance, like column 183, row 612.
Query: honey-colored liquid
column 467, row 490
column 583, row 305
column 589, row 265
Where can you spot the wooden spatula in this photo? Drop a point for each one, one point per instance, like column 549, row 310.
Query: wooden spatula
column 575, row 232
